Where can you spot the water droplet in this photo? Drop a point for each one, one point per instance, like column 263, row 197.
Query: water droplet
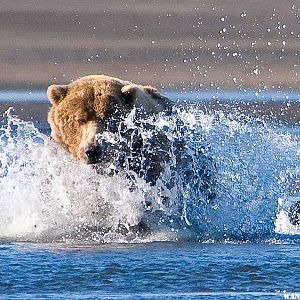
column 256, row 71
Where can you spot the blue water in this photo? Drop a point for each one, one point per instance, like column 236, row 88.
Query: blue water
column 239, row 246
column 149, row 271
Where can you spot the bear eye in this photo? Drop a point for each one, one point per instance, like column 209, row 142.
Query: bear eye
column 82, row 121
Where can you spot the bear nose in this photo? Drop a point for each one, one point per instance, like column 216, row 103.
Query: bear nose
column 93, row 154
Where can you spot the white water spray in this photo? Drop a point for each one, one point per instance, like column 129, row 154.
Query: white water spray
column 46, row 195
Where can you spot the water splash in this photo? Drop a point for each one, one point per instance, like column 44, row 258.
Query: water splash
column 253, row 160
column 46, row 195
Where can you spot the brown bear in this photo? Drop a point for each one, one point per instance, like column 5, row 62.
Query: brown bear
column 120, row 127
column 94, row 105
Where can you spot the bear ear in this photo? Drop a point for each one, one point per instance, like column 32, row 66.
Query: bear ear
column 129, row 94
column 56, row 93
column 162, row 100
column 153, row 92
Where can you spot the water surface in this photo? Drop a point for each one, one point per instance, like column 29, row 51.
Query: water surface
column 241, row 245
column 149, row 271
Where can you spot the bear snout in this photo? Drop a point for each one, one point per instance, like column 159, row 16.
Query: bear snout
column 102, row 152
column 94, row 154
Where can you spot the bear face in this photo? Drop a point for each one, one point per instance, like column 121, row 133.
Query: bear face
column 82, row 109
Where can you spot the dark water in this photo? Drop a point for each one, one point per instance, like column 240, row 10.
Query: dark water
column 240, row 246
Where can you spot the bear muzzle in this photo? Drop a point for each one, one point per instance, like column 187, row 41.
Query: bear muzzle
column 101, row 152
column 93, row 154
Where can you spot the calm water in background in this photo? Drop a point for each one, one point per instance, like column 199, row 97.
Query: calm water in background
column 149, row 271
column 267, row 266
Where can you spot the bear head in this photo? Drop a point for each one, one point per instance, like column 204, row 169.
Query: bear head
column 82, row 109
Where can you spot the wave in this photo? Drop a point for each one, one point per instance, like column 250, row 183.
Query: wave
column 252, row 167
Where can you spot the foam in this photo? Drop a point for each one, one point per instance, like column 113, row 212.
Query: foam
column 46, row 195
